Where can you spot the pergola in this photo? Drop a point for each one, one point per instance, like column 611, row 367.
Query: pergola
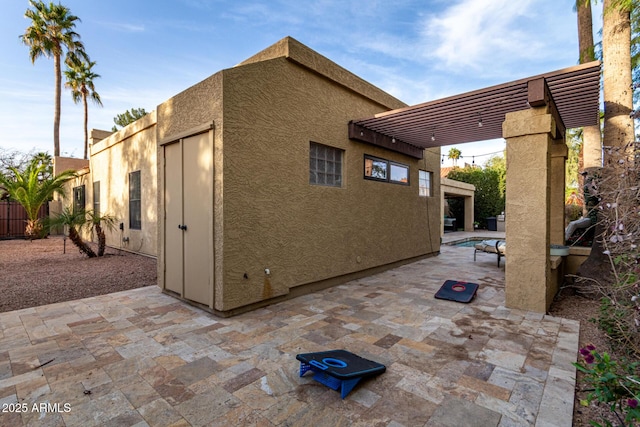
column 532, row 114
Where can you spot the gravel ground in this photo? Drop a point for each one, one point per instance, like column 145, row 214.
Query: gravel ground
column 39, row 272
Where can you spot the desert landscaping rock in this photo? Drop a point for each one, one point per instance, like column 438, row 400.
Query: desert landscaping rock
column 39, row 272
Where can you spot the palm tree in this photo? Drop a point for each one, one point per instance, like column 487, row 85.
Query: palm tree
column 618, row 123
column 32, row 188
column 591, row 152
column 96, row 222
column 80, row 81
column 617, row 76
column 74, row 221
column 50, row 33
column 454, row 154
column 77, row 220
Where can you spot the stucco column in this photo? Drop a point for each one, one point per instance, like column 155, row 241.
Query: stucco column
column 442, row 201
column 468, row 213
column 559, row 153
column 529, row 134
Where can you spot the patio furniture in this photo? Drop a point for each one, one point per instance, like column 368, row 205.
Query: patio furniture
column 338, row 369
column 578, row 224
column 498, row 247
column 450, row 222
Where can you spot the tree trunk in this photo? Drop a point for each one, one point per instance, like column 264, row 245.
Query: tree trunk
column 33, row 229
column 82, row 246
column 102, row 240
column 86, row 123
column 56, row 111
column 618, row 94
column 591, row 155
column 618, row 125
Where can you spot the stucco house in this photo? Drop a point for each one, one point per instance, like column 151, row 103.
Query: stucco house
column 249, row 189
column 119, row 179
column 287, row 173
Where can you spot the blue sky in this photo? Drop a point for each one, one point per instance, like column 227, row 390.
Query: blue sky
column 147, row 51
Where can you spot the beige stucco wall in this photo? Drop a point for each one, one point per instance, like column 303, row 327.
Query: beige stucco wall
column 267, row 214
column 275, row 219
column 61, row 164
column 180, row 116
column 61, row 201
column 112, row 157
column 577, row 255
column 530, row 282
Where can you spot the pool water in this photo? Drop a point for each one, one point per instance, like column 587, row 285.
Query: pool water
column 467, row 244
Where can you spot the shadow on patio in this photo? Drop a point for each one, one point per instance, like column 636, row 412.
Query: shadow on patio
column 143, row 358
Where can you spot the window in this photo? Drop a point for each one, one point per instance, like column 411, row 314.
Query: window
column 375, row 168
column 424, row 179
column 96, row 198
column 325, row 165
column 385, row 170
column 399, row 173
column 135, row 209
column 78, row 199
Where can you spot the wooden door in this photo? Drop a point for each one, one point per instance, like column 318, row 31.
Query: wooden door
column 189, row 218
column 198, row 217
column 173, row 235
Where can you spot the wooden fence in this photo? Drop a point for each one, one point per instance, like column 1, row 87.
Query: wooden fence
column 13, row 219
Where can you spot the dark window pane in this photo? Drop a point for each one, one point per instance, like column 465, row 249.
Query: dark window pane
column 78, row 199
column 135, row 207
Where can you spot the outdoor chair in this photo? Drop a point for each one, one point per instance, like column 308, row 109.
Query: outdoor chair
column 449, row 223
column 498, row 247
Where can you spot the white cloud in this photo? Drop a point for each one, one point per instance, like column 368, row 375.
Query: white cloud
column 124, row 27
column 473, row 33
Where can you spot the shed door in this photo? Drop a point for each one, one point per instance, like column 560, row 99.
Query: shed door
column 189, row 218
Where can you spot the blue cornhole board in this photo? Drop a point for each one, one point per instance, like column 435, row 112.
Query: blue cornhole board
column 338, row 369
column 455, row 290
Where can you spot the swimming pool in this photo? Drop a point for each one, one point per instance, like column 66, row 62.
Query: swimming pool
column 465, row 243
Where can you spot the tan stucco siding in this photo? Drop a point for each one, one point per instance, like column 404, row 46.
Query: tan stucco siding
column 296, row 52
column 112, row 159
column 195, row 107
column 200, row 104
column 273, row 217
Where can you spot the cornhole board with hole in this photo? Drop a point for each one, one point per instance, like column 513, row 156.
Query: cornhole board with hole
column 338, row 369
column 455, row 290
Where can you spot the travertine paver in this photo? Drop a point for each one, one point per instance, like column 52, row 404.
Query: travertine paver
column 143, row 358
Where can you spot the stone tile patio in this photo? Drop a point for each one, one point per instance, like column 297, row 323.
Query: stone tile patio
column 142, row 358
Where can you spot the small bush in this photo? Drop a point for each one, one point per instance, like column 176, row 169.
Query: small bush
column 572, row 212
column 612, row 383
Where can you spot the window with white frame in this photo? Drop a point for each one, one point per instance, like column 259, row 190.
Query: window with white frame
column 424, row 183
column 325, row 165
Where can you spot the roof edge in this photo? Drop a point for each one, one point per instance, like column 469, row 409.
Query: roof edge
column 575, row 68
column 294, row 51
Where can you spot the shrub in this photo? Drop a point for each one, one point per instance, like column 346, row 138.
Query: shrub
column 612, row 383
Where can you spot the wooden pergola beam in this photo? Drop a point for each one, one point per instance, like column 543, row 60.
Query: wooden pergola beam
column 539, row 95
column 362, row 134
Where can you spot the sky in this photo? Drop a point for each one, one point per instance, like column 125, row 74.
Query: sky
column 149, row 50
